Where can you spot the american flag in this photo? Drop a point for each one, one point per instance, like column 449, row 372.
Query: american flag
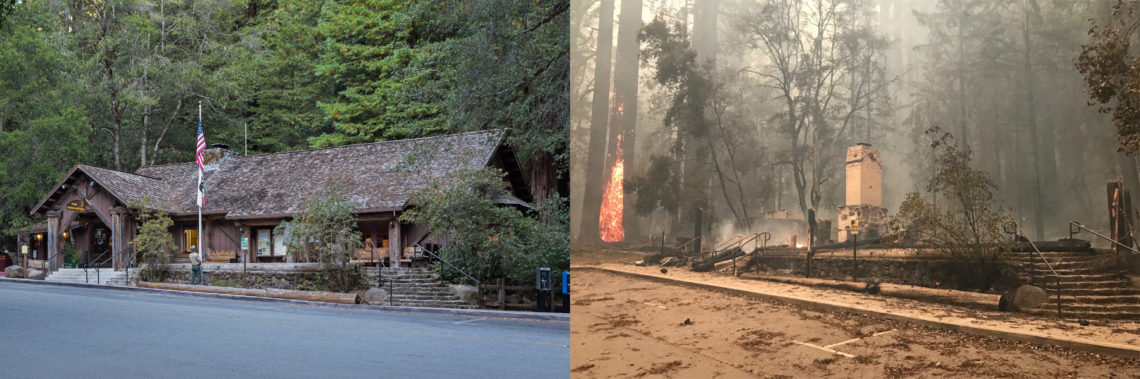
column 201, row 166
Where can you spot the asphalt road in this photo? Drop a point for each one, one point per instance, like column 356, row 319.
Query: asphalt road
column 49, row 331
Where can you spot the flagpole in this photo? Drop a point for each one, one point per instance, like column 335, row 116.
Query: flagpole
column 201, row 252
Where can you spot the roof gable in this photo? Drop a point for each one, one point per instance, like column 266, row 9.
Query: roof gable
column 124, row 187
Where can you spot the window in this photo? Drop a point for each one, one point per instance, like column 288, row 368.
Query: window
column 278, row 244
column 263, row 243
column 190, row 239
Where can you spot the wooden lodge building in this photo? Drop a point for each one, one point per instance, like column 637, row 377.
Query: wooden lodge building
column 248, row 196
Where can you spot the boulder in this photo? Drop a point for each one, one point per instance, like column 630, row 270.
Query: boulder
column 36, row 274
column 376, row 296
column 1023, row 298
column 465, row 292
column 14, row 271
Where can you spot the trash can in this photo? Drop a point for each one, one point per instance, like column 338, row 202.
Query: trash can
column 566, row 291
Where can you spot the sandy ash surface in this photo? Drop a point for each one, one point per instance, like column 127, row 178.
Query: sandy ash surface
column 628, row 327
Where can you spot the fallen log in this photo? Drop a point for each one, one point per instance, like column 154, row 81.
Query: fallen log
column 944, row 296
column 328, row 297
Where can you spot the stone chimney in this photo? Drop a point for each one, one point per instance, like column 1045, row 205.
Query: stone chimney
column 864, row 176
column 213, row 157
column 864, row 206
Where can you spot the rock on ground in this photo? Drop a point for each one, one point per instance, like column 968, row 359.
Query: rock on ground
column 14, row 271
column 465, row 292
column 376, row 296
column 36, row 274
column 1024, row 297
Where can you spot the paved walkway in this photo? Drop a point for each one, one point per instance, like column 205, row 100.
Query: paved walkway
column 1117, row 337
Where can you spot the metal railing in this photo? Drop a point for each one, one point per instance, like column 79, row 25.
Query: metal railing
column 681, row 247
column 1081, row 226
column 97, row 263
column 1033, row 267
column 380, row 272
column 478, row 284
column 736, row 242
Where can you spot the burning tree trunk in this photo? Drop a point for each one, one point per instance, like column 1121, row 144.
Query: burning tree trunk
column 610, row 218
column 623, row 119
column 596, row 150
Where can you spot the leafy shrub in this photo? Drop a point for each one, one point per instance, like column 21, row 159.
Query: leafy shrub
column 487, row 240
column 153, row 242
column 965, row 225
column 325, row 232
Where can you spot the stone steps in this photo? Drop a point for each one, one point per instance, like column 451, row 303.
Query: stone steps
column 1086, row 291
column 1099, row 299
column 1092, row 311
column 1107, row 291
column 1065, row 268
column 415, row 287
column 1075, row 278
column 103, row 276
column 1051, row 283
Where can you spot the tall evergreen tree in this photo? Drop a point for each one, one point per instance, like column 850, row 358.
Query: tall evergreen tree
column 385, row 58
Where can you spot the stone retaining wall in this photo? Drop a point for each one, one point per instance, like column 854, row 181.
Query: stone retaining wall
column 290, row 276
column 899, row 266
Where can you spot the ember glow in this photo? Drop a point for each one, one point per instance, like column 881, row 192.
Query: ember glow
column 609, row 224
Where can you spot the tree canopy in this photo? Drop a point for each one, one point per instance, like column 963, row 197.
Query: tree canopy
column 117, row 83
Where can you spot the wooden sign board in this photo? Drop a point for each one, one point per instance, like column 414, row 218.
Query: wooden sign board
column 76, row 205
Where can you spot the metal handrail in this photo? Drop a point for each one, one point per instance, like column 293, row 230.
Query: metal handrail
column 730, row 241
column 1082, row 226
column 379, row 272
column 477, row 282
column 681, row 247
column 86, row 278
column 1047, row 264
column 739, row 243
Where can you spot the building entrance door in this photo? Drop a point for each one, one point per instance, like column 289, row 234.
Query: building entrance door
column 100, row 247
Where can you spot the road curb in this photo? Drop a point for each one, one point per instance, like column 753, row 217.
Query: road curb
column 1125, row 351
column 511, row 315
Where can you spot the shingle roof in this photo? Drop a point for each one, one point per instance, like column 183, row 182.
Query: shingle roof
column 130, row 188
column 379, row 175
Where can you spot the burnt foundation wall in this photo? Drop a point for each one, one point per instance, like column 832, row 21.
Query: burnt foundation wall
column 925, row 271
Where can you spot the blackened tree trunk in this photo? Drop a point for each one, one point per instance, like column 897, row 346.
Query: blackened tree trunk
column 695, row 182
column 596, row 150
column 623, row 118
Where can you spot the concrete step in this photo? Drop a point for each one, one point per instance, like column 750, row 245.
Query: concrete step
column 102, row 276
column 1094, row 291
column 1071, row 278
column 1066, row 269
column 415, row 287
column 1111, row 283
column 1092, row 308
column 399, row 296
column 1100, row 299
column 424, row 305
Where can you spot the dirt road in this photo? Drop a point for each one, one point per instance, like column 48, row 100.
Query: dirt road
column 626, row 327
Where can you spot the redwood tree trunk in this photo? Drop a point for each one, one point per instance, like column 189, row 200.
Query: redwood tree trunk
column 596, row 150
column 623, row 119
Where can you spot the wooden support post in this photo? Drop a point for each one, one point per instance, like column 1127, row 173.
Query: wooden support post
column 395, row 245
column 53, row 218
column 502, row 293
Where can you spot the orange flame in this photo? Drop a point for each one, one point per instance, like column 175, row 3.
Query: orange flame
column 609, row 224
